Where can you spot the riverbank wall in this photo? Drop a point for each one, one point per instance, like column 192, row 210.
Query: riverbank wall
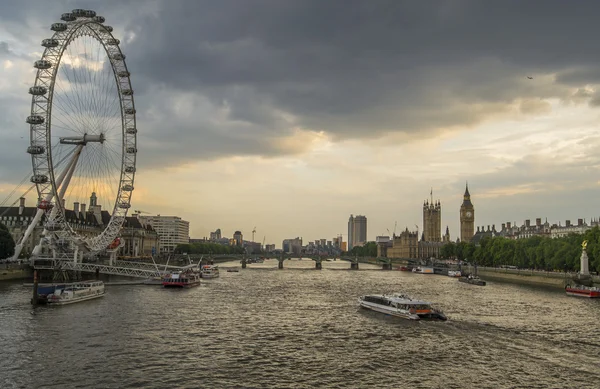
column 532, row 277
column 15, row 272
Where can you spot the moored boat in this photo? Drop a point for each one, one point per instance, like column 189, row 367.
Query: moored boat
column 423, row 270
column 454, row 273
column 400, row 305
column 209, row 271
column 183, row 279
column 583, row 291
column 70, row 293
column 474, row 280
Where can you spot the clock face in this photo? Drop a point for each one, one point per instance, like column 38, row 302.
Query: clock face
column 469, row 214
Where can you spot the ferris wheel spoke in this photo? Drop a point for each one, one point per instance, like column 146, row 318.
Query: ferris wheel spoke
column 109, row 179
column 77, row 103
column 66, row 105
column 72, row 125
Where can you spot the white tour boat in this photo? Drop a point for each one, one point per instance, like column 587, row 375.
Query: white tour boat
column 70, row 293
column 454, row 273
column 401, row 306
column 209, row 271
column 187, row 278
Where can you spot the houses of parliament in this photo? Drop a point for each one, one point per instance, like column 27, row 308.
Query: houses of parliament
column 408, row 245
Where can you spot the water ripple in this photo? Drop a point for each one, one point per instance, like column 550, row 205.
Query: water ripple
column 301, row 328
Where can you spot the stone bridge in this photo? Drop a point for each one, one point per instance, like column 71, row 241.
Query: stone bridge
column 385, row 263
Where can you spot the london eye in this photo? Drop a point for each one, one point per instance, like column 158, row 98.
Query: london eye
column 83, row 134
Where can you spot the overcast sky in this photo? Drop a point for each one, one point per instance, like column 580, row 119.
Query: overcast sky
column 292, row 115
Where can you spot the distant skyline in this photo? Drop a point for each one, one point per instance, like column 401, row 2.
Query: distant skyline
column 292, row 115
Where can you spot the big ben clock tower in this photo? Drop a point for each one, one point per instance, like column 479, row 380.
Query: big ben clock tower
column 467, row 217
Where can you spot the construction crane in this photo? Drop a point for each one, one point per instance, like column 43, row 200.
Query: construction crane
column 138, row 211
column 253, row 232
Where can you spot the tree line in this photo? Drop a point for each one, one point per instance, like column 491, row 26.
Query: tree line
column 7, row 243
column 368, row 250
column 537, row 252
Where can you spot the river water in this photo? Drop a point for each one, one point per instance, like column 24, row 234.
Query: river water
column 301, row 328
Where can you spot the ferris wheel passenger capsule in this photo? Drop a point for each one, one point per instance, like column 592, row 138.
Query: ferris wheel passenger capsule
column 58, row 27
column 68, row 17
column 42, row 64
column 78, row 12
column 131, row 150
column 127, row 92
column 38, row 90
column 45, row 204
column 130, row 169
column 118, row 56
column 36, row 150
column 124, row 205
column 127, row 187
column 88, row 13
column 39, row 178
column 99, row 19
column 129, row 111
column 108, row 28
column 35, row 119
column 50, row 42
column 123, row 73
column 131, row 130
column 113, row 42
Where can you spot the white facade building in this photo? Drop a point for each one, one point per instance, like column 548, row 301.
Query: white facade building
column 171, row 230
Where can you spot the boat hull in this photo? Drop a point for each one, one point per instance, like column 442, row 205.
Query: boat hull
column 472, row 282
column 388, row 311
column 180, row 285
column 582, row 292
column 65, row 294
column 74, row 300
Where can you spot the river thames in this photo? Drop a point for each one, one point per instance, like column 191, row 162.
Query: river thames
column 301, row 328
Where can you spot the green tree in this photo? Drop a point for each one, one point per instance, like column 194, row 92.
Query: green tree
column 7, row 243
column 369, row 249
column 448, row 250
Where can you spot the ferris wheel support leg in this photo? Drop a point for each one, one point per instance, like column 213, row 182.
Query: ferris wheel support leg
column 40, row 212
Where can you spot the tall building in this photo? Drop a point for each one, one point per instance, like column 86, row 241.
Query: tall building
column 405, row 245
column 350, row 232
column 432, row 220
column 357, row 231
column 467, row 217
column 171, row 230
column 238, row 238
column 292, row 246
column 216, row 235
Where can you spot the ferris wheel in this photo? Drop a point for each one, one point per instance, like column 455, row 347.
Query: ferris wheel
column 82, row 135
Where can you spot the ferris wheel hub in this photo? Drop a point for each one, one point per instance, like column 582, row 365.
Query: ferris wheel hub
column 82, row 140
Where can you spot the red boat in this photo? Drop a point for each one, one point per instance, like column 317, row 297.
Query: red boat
column 583, row 291
column 403, row 268
column 184, row 279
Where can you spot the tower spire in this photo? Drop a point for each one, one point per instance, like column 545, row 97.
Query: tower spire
column 431, row 193
column 467, row 189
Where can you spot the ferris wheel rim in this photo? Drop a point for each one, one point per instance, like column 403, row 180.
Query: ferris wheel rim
column 77, row 24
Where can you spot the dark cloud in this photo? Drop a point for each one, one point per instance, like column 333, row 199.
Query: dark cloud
column 355, row 69
column 255, row 71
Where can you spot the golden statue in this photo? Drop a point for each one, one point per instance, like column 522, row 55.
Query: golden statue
column 584, row 244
